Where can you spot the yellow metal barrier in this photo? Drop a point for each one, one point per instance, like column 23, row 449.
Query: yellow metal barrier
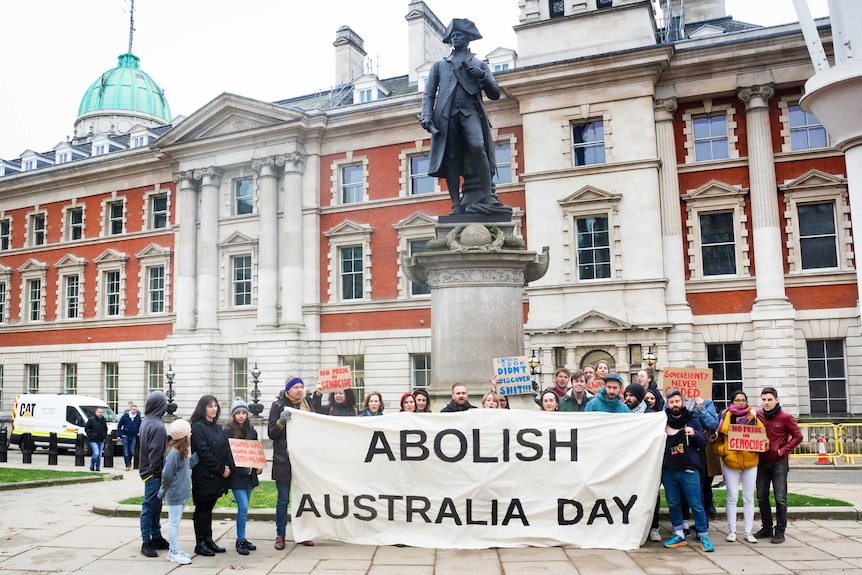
column 850, row 435
column 810, row 446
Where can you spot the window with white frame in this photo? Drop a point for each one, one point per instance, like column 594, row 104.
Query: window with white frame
column 241, row 273
column 71, row 296
column 352, row 269
column 710, row 132
column 503, row 157
column 827, row 377
column 158, row 211
column 588, row 143
column 111, row 293
column 114, row 217
column 32, row 371
column 806, row 131
column 98, row 149
column 70, row 378
column 138, row 141
column 418, row 247
column 717, row 232
column 156, row 289
column 62, row 157
column 817, row 235
column 3, row 292
column 356, row 363
column 70, row 279
column 111, row 288
column 5, row 234
column 591, row 241
column 37, row 229
column 414, row 233
column 725, row 361
column 366, row 95
column 349, row 262
column 594, row 247
column 420, row 182
column 352, row 184
column 239, row 377
column 501, row 67
column 75, row 223
column 29, row 165
column 420, row 370
column 155, row 376
column 243, row 196
column 153, row 285
column 717, row 243
column 34, row 299
column 111, row 370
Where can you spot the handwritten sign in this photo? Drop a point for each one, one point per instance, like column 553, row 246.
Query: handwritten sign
column 334, row 378
column 746, row 438
column 247, row 453
column 514, row 374
column 689, row 381
column 595, row 385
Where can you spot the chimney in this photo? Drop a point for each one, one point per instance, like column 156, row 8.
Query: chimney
column 424, row 37
column 699, row 10
column 349, row 55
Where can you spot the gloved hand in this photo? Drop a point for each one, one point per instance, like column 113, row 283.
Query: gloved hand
column 285, row 415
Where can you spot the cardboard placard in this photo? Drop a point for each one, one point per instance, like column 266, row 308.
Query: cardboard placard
column 747, row 438
column 334, row 378
column 247, row 453
column 595, row 384
column 514, row 374
column 691, row 382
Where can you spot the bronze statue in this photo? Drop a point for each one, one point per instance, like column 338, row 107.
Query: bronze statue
column 453, row 112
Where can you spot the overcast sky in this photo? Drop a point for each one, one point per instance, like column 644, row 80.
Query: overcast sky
column 196, row 49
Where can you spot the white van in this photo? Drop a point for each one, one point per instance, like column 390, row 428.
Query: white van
column 66, row 415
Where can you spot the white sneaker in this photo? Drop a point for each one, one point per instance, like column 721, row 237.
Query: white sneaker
column 180, row 558
column 184, row 554
column 654, row 535
column 731, row 537
column 750, row 538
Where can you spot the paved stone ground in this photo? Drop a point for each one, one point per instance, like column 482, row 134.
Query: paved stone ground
column 54, row 530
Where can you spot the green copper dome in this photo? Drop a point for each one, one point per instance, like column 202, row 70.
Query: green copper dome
column 126, row 88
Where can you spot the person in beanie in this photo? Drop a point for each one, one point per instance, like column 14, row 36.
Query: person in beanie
column 176, row 485
column 293, row 397
column 634, row 398
column 153, row 444
column 680, row 470
column 242, row 479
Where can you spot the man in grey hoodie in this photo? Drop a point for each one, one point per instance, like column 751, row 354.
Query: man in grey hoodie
column 153, row 443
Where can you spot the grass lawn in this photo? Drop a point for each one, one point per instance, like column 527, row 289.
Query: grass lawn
column 18, row 475
column 264, row 496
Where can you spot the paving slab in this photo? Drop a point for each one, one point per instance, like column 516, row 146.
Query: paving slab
column 542, row 568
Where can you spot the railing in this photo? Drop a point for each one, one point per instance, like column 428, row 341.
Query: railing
column 850, row 435
column 841, row 441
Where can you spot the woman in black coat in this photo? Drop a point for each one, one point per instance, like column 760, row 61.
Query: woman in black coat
column 210, row 472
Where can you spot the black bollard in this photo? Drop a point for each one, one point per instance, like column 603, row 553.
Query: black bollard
column 52, row 449
column 4, row 445
column 108, row 454
column 28, row 446
column 137, row 453
column 80, row 449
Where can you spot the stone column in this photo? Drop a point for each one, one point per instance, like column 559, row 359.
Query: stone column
column 267, row 259
column 768, row 256
column 186, row 249
column 208, row 255
column 291, row 240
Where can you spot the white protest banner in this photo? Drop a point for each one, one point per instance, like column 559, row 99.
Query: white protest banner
column 514, row 375
column 334, row 378
column 746, row 438
column 247, row 453
column 476, row 479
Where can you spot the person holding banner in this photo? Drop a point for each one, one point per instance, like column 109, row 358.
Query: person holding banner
column 408, row 402
column 738, row 465
column 459, row 400
column 654, row 401
column 490, row 401
column 608, row 398
column 342, row 403
column 293, row 397
column 423, row 401
column 549, row 400
column 242, row 479
column 373, row 405
column 646, row 378
column 579, row 396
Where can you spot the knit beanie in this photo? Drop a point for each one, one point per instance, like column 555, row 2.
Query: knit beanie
column 180, row 428
column 291, row 381
column 238, row 405
column 637, row 390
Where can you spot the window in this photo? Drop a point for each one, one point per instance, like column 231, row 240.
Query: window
column 156, row 289
column 557, row 8
column 827, row 380
column 501, row 67
column 588, row 143
column 352, row 188
column 34, row 300
column 366, row 95
column 594, row 252
column 70, row 378
column 806, row 131
column 112, row 293
column 239, row 379
column 503, row 157
column 3, row 318
column 710, row 138
column 5, row 234
column 29, row 165
column 99, row 150
column 718, row 251
column 418, row 247
column 155, row 376
column 817, row 236
column 137, row 141
column 112, row 384
column 71, row 296
column 243, row 196
column 559, row 357
column 32, row 378
column 37, row 230
column 420, row 372
column 115, row 218
column 75, row 224
column 356, row 363
column 241, row 266
column 62, row 157
column 420, row 181
column 159, row 211
column 351, row 267
column 725, row 360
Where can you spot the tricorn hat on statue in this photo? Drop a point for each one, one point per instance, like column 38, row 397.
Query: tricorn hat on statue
column 464, row 26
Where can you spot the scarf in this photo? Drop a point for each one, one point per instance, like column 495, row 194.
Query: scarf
column 743, row 415
column 680, row 421
column 769, row 414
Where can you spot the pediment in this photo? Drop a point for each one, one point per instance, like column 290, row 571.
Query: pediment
column 5, row 270
column 228, row 114
column 594, row 321
column 416, row 220
column 814, row 179
column 706, row 30
column 500, row 52
column 714, row 189
column 70, row 261
column 33, row 265
column 153, row 251
column 237, row 239
column 110, row 255
column 348, row 227
column 589, row 194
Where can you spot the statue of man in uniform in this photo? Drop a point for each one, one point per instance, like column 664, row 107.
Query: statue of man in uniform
column 453, row 112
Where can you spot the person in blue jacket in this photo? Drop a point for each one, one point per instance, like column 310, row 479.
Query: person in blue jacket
column 609, row 398
column 127, row 428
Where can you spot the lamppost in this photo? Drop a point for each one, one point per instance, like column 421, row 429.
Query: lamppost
column 650, row 357
column 172, row 407
column 256, row 408
column 535, row 367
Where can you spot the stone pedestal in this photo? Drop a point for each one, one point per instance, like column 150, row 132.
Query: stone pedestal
column 476, row 278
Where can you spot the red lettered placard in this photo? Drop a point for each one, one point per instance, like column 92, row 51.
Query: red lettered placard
column 334, row 379
column 247, row 453
column 689, row 381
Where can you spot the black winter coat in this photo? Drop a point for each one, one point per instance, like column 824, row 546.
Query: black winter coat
column 96, row 429
column 211, row 446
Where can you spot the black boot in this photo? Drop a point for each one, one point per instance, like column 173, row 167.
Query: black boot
column 212, row 545
column 240, row 547
column 203, row 549
column 249, row 545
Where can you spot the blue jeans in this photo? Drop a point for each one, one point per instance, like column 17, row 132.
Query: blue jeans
column 151, row 510
column 281, row 502
column 684, row 482
column 775, row 473
column 241, row 496
column 175, row 513
column 96, row 459
column 129, row 448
